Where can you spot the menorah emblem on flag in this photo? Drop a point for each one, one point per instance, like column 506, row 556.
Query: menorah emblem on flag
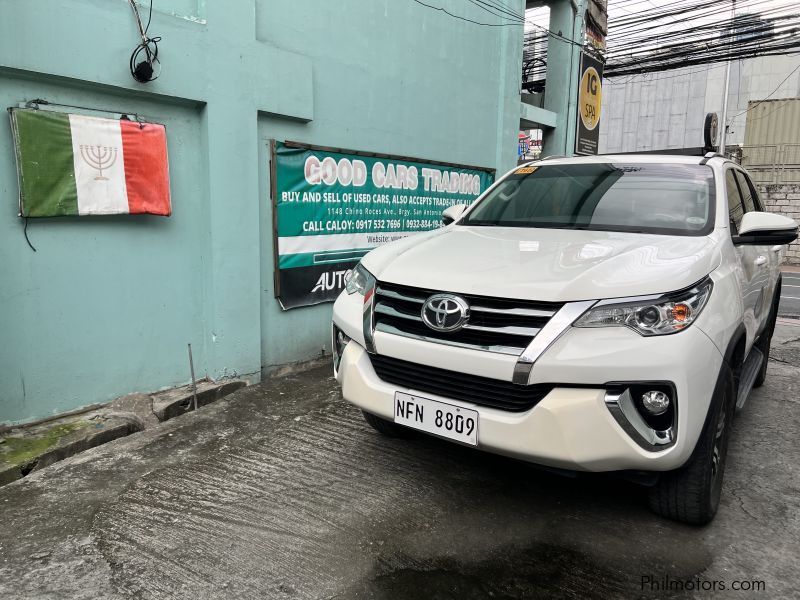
column 99, row 157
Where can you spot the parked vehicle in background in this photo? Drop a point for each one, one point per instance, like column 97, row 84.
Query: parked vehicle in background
column 604, row 313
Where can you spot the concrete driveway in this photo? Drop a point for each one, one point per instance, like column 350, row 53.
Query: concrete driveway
column 282, row 491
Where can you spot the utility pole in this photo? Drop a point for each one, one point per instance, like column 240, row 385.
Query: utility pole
column 724, row 134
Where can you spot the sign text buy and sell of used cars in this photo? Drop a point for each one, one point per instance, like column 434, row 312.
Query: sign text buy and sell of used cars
column 332, row 207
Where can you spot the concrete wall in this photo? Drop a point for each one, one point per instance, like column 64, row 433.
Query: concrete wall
column 106, row 305
column 408, row 82
column 785, row 200
column 666, row 110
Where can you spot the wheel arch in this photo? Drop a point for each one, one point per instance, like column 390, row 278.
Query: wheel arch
column 728, row 372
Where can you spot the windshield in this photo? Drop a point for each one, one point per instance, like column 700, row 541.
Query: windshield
column 670, row 199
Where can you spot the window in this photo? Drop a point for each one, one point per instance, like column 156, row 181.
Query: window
column 735, row 205
column 667, row 199
column 749, row 196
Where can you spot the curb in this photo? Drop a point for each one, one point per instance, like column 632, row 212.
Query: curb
column 69, row 445
column 119, row 418
column 175, row 402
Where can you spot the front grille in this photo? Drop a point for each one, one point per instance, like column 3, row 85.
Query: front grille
column 499, row 325
column 483, row 391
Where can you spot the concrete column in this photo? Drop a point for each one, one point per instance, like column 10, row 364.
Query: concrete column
column 563, row 64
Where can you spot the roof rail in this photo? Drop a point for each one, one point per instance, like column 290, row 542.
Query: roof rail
column 554, row 156
column 709, row 155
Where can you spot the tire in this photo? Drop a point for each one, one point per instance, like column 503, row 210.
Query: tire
column 691, row 494
column 385, row 427
column 765, row 341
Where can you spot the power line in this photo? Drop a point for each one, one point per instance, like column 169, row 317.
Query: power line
column 646, row 41
column 780, row 105
column 468, row 20
column 512, row 24
column 768, row 95
column 646, row 77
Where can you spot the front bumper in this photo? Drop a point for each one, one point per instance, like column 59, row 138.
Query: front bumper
column 572, row 427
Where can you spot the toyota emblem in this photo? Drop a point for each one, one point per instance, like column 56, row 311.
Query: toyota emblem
column 445, row 312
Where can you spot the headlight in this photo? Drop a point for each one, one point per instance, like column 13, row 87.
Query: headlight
column 359, row 280
column 662, row 315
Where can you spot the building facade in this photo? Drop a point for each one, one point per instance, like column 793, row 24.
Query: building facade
column 105, row 306
column 666, row 111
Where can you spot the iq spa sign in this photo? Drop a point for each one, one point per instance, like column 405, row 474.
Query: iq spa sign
column 333, row 206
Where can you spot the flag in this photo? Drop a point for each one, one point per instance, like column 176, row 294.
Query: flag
column 78, row 165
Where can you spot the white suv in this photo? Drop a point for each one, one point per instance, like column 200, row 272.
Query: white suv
column 593, row 314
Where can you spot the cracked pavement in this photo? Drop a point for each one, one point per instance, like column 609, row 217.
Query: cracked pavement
column 282, row 491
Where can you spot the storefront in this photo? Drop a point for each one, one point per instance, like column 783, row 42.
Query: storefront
column 106, row 304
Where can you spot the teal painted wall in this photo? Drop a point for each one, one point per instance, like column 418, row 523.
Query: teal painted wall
column 389, row 77
column 106, row 306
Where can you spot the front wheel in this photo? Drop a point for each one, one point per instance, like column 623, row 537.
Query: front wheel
column 691, row 494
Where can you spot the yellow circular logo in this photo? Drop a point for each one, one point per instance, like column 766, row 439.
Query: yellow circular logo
column 590, row 98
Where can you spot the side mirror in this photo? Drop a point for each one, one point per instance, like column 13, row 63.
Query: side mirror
column 763, row 228
column 451, row 214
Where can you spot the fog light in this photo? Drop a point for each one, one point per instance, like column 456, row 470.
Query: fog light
column 339, row 342
column 655, row 402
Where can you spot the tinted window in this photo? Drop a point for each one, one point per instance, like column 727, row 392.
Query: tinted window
column 673, row 199
column 749, row 198
column 735, row 206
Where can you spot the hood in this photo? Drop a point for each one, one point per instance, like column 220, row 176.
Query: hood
column 549, row 265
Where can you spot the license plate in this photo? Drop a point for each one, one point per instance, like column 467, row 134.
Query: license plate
column 438, row 418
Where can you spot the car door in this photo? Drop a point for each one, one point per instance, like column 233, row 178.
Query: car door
column 767, row 255
column 749, row 268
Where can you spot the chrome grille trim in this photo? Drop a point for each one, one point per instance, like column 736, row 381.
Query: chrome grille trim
column 510, row 350
column 554, row 329
column 368, row 316
column 397, row 296
column 383, row 309
column 509, row 329
column 499, row 325
column 518, row 312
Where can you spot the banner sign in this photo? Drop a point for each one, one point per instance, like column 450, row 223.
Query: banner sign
column 590, row 93
column 331, row 207
column 75, row 165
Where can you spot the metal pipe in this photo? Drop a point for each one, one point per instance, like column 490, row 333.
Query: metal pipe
column 724, row 134
column 194, row 381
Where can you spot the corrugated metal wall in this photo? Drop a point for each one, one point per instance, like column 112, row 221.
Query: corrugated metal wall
column 773, row 122
column 771, row 150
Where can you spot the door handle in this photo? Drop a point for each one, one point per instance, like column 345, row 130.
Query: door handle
column 760, row 261
column 777, row 248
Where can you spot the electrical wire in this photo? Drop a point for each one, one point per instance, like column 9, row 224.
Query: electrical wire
column 25, row 231
column 780, row 105
column 681, row 33
column 468, row 20
column 515, row 20
column 749, row 108
column 143, row 71
column 705, row 33
column 654, row 77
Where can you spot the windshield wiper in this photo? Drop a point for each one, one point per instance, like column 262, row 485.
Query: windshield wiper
column 482, row 223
